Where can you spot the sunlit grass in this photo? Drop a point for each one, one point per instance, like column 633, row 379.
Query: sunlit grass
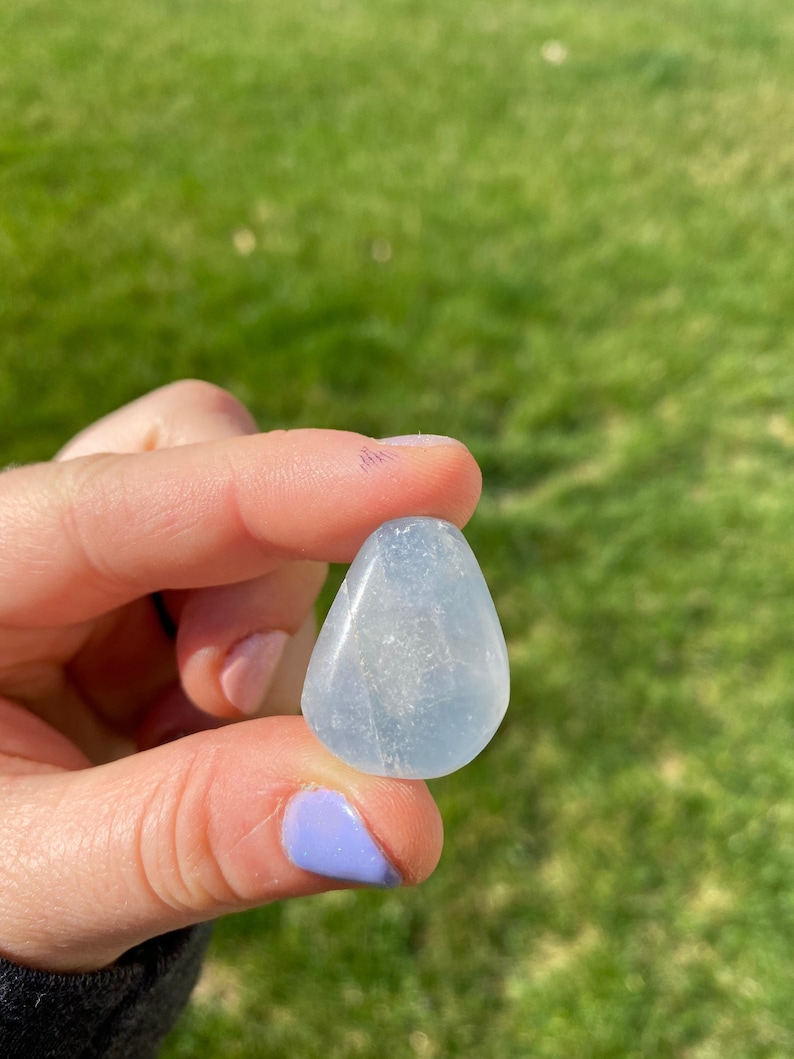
column 563, row 233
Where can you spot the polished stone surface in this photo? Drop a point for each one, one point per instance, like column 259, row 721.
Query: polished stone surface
column 409, row 676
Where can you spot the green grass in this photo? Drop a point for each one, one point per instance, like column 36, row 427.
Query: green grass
column 585, row 271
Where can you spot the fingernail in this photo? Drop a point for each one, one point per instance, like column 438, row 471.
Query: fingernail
column 249, row 668
column 421, row 440
column 323, row 833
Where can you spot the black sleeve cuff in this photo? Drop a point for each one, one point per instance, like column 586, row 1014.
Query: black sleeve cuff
column 125, row 1010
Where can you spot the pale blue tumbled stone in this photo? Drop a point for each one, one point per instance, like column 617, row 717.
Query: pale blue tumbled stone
column 409, row 676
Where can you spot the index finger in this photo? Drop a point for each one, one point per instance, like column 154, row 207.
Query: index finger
column 82, row 537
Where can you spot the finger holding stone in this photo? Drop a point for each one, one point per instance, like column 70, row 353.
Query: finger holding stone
column 86, row 535
column 213, row 823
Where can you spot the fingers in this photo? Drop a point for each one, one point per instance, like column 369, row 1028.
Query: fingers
column 183, row 413
column 89, row 534
column 242, row 649
column 28, row 744
column 234, row 639
column 171, row 716
column 212, row 823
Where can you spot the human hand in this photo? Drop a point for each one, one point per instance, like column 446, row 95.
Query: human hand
column 113, row 830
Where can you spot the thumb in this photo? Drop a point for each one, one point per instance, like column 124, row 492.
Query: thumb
column 95, row 861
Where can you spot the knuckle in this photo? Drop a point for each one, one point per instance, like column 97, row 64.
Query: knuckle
column 94, row 490
column 213, row 400
column 177, row 860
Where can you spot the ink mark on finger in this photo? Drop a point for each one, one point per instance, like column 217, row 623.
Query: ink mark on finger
column 372, row 457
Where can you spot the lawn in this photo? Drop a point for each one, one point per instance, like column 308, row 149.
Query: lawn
column 563, row 233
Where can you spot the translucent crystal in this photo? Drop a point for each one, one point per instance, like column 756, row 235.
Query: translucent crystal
column 409, row 676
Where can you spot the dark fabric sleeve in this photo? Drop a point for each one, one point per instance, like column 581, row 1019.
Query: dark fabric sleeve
column 125, row 1010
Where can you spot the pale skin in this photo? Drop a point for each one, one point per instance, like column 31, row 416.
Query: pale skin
column 112, row 829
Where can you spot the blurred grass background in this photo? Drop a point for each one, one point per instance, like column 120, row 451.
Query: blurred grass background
column 562, row 232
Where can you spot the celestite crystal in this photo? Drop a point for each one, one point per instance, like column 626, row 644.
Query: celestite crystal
column 409, row 676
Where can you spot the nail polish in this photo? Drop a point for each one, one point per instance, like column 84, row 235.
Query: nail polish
column 323, row 833
column 249, row 669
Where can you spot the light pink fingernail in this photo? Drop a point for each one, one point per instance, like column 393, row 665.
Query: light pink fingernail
column 420, row 440
column 249, row 668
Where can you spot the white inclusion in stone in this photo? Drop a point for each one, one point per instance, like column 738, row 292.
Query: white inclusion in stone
column 409, row 676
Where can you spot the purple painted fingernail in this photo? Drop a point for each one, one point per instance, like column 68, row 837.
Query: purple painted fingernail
column 324, row 834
